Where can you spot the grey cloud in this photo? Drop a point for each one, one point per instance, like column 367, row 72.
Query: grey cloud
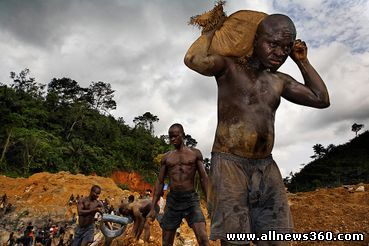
column 28, row 20
column 41, row 22
column 342, row 22
column 192, row 91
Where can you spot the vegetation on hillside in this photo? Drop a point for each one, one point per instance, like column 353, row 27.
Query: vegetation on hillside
column 65, row 127
column 335, row 165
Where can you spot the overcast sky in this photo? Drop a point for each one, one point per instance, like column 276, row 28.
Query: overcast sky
column 138, row 47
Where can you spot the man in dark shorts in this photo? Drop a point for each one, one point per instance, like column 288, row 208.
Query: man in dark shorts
column 138, row 211
column 87, row 208
column 181, row 166
column 246, row 192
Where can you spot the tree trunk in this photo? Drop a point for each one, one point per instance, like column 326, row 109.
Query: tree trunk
column 71, row 129
column 5, row 146
column 79, row 118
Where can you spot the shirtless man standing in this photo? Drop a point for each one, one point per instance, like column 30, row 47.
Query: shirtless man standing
column 87, row 208
column 181, row 165
column 246, row 192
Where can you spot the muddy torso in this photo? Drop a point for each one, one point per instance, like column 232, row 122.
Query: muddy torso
column 247, row 101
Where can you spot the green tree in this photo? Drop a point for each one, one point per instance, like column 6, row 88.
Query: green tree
column 330, row 148
column 75, row 151
column 77, row 114
column 165, row 138
column 17, row 109
column 33, row 147
column 146, row 121
column 189, row 141
column 22, row 82
column 65, row 91
column 319, row 151
column 100, row 95
column 8, row 120
column 356, row 128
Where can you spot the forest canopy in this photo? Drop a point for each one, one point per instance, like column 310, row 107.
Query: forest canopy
column 63, row 126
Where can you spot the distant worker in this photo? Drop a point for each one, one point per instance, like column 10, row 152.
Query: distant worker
column 87, row 208
column 71, row 200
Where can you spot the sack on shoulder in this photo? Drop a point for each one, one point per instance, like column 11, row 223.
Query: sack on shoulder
column 235, row 34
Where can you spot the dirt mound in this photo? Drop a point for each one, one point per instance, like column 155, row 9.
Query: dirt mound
column 133, row 181
column 46, row 195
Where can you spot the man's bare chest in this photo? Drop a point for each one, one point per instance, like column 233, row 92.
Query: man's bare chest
column 90, row 205
column 245, row 89
column 181, row 160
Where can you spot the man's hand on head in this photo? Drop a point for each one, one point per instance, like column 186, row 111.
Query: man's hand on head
column 299, row 51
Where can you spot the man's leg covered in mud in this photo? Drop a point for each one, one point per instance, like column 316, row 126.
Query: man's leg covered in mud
column 168, row 237
column 200, row 233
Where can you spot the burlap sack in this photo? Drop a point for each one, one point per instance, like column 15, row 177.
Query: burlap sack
column 235, row 34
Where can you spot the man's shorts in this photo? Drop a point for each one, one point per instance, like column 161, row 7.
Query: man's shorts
column 83, row 235
column 181, row 205
column 246, row 196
